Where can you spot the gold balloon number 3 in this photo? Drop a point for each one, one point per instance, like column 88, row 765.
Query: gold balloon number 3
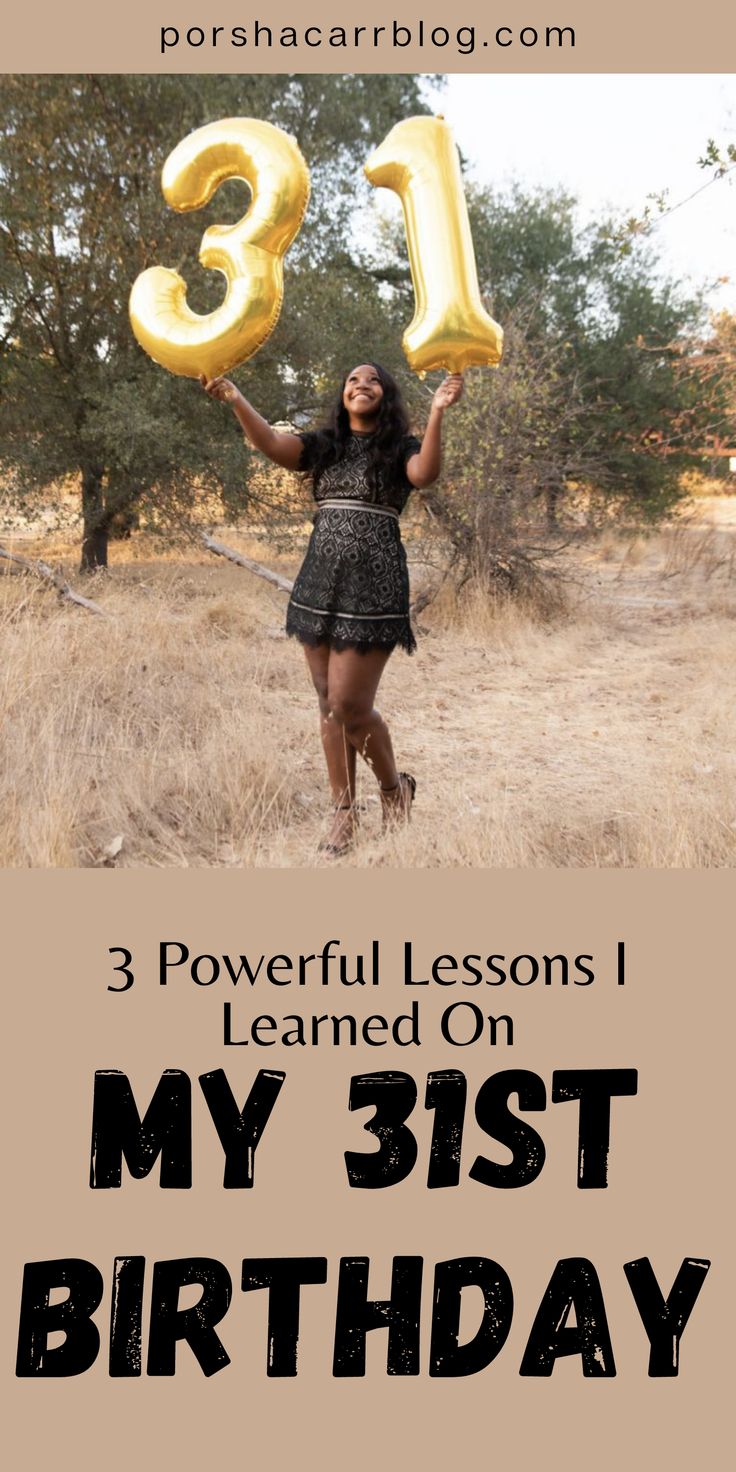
column 418, row 160
column 249, row 254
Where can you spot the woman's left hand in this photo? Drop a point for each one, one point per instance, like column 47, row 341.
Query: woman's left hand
column 448, row 392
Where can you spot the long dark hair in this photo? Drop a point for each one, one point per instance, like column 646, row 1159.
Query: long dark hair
column 386, row 439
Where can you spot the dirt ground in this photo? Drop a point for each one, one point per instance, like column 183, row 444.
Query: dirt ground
column 182, row 730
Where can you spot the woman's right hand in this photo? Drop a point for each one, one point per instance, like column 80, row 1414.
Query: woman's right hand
column 283, row 449
column 220, row 388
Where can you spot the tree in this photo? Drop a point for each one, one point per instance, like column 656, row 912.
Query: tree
column 622, row 326
column 82, row 213
column 514, row 437
column 708, row 366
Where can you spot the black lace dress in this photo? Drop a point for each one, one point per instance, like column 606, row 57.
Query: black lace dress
column 352, row 590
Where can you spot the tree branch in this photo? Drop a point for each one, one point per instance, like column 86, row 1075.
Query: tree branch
column 220, row 550
column 42, row 570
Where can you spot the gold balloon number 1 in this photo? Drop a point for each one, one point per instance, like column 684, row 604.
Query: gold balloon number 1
column 418, row 160
column 451, row 328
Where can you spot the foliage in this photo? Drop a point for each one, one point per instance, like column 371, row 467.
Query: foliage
column 620, row 325
column 718, row 160
column 707, row 366
column 513, row 444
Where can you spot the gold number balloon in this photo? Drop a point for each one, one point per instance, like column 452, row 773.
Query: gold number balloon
column 249, row 254
column 450, row 328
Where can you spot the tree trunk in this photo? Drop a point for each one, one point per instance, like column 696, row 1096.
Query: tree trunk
column 551, row 500
column 94, row 540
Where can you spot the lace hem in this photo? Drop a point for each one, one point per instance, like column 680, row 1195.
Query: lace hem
column 337, row 633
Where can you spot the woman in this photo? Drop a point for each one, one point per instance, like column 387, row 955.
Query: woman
column 349, row 606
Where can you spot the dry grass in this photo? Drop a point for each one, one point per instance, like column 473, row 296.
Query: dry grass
column 186, row 725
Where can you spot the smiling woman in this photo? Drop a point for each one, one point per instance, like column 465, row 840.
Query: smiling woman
column 350, row 603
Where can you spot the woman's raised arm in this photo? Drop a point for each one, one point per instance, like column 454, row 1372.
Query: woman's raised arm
column 283, row 449
column 423, row 468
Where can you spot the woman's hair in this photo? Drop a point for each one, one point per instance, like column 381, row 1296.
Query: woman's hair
column 386, row 442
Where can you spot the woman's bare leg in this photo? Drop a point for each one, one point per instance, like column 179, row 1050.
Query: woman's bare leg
column 346, row 683
column 339, row 755
column 352, row 683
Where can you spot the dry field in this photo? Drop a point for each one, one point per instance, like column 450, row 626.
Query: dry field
column 182, row 730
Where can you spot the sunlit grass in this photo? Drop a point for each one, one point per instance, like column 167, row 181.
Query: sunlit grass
column 185, row 725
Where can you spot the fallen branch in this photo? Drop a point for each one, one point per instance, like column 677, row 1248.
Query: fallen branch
column 42, row 570
column 220, row 550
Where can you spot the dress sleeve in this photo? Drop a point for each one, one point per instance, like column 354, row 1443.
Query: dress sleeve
column 411, row 446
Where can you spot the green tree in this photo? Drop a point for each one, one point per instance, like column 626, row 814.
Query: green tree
column 82, row 214
column 708, row 365
column 621, row 325
column 511, row 439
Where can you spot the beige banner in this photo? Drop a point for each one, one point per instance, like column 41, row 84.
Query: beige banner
column 539, row 36
column 668, row 1179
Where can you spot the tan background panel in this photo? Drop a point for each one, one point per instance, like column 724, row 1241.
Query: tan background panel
column 667, row 1194
column 627, row 37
